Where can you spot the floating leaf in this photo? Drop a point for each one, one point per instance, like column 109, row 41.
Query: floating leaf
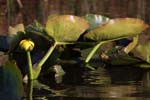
column 131, row 45
column 95, row 20
column 117, row 28
column 15, row 35
column 117, row 57
column 144, row 51
column 66, row 27
column 124, row 60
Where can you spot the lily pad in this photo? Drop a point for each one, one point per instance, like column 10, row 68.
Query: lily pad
column 66, row 27
column 117, row 28
column 144, row 51
column 117, row 57
column 15, row 35
column 95, row 20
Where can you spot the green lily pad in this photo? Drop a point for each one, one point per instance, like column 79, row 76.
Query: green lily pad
column 118, row 57
column 95, row 20
column 125, row 60
column 144, row 51
column 131, row 45
column 117, row 28
column 66, row 27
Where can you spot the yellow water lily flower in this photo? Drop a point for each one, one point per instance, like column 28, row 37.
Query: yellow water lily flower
column 27, row 45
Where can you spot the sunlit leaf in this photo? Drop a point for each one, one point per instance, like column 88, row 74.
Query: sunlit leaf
column 144, row 51
column 95, row 20
column 15, row 34
column 117, row 28
column 17, row 28
column 131, row 45
column 66, row 27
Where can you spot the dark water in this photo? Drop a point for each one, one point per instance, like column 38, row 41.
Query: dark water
column 79, row 83
column 105, row 83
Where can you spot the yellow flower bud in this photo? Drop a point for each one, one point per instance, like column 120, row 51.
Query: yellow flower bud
column 27, row 45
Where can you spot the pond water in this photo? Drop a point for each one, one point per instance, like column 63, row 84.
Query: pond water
column 105, row 83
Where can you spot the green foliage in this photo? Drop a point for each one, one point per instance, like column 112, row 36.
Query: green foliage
column 11, row 82
column 144, row 51
column 117, row 28
column 66, row 28
column 132, row 45
column 61, row 30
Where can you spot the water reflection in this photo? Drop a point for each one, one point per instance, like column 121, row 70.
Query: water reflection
column 103, row 84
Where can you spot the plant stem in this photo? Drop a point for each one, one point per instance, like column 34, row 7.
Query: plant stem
column 88, row 58
column 30, row 92
column 30, row 74
column 49, row 52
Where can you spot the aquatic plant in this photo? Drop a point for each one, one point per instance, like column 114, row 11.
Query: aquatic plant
column 63, row 30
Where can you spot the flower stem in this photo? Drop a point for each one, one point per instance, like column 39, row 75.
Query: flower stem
column 43, row 60
column 88, row 58
column 30, row 87
column 30, row 74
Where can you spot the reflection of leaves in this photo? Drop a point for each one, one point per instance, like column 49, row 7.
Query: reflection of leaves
column 117, row 28
column 11, row 82
column 95, row 20
column 66, row 27
column 37, row 84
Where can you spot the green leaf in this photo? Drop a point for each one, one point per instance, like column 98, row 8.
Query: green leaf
column 95, row 20
column 66, row 27
column 11, row 82
column 144, row 51
column 15, row 34
column 117, row 57
column 38, row 36
column 131, row 45
column 124, row 60
column 117, row 28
